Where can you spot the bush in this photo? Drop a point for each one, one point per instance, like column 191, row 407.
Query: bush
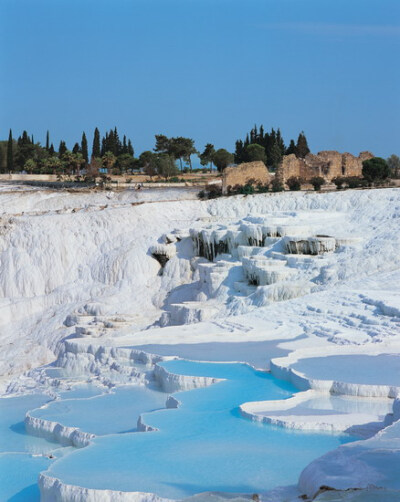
column 294, row 183
column 339, row 182
column 202, row 195
column 247, row 189
column 317, row 182
column 174, row 179
column 277, row 186
column 353, row 181
column 375, row 169
column 214, row 191
column 262, row 188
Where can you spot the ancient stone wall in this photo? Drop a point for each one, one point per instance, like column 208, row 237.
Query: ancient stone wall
column 243, row 173
column 328, row 164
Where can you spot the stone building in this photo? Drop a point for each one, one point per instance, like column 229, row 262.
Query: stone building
column 243, row 173
column 327, row 164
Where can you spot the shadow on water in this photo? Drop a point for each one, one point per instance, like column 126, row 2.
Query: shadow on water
column 29, row 494
column 197, row 489
column 18, row 428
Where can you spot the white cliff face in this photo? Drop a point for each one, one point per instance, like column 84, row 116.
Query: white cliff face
column 330, row 260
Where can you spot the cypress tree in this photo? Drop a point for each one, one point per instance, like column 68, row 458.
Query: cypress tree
column 239, row 151
column 130, row 148
column 117, row 143
column 76, row 148
column 51, row 150
column 261, row 135
column 291, row 148
column 10, row 154
column 124, row 145
column 302, row 146
column 47, row 141
column 84, row 148
column 96, row 144
column 280, row 142
column 62, row 148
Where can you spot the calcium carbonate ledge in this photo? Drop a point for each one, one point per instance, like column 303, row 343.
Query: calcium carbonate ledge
column 54, row 490
column 281, row 368
column 54, row 431
column 279, row 413
column 371, row 463
column 73, row 436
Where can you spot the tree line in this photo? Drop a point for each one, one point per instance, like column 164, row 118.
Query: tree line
column 268, row 147
column 116, row 156
column 24, row 154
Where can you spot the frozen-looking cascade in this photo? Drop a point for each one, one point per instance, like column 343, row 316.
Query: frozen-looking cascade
column 251, row 262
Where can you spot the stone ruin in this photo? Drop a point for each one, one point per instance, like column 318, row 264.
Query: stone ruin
column 243, row 173
column 327, row 164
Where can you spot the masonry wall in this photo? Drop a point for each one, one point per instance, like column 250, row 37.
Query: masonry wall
column 243, row 173
column 328, row 164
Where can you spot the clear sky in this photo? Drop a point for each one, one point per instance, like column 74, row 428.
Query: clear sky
column 206, row 69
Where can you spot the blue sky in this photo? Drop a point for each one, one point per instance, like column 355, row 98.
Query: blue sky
column 207, row 69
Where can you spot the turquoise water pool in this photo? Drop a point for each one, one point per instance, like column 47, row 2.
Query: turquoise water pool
column 22, row 457
column 202, row 445
column 114, row 412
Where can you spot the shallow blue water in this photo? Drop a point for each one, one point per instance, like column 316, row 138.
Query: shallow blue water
column 203, row 445
column 109, row 413
column 18, row 477
column 381, row 369
column 21, row 455
column 13, row 437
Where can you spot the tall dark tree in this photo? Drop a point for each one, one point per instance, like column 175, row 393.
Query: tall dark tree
column 124, row 145
column 51, row 150
column 84, row 148
column 96, row 144
column 130, row 148
column 76, row 148
column 62, row 149
column 162, row 144
column 25, row 150
column 291, row 148
column 10, row 153
column 302, row 147
column 206, row 158
column 261, row 135
column 280, row 142
column 239, row 152
column 47, row 141
column 275, row 155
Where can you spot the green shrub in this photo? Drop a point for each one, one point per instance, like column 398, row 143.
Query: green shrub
column 294, row 183
column 277, row 186
column 339, row 182
column 317, row 182
column 375, row 169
